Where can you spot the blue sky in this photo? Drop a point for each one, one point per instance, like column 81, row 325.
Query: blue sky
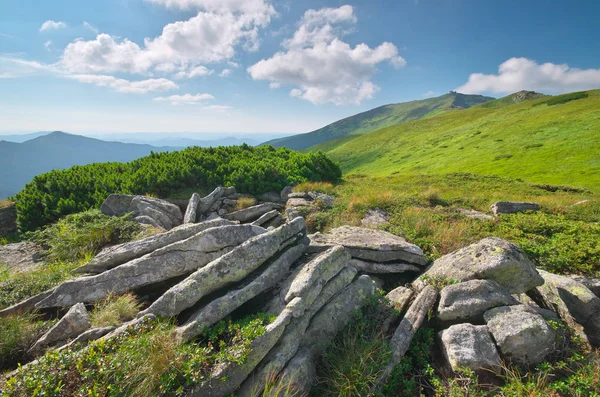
column 244, row 66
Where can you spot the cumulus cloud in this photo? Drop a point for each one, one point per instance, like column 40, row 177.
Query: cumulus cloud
column 518, row 74
column 48, row 44
column 225, row 73
column 52, row 25
column 320, row 66
column 126, row 86
column 187, row 99
column 90, row 27
column 197, row 71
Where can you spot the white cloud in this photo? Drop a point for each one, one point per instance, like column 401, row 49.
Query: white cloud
column 261, row 10
column 126, row 86
column 47, row 44
column 187, row 99
column 51, row 25
column 218, row 108
column 518, row 74
column 225, row 73
column 90, row 27
column 274, row 85
column 197, row 71
column 322, row 67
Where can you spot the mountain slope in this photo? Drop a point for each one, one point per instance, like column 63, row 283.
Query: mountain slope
column 533, row 140
column 20, row 162
column 383, row 116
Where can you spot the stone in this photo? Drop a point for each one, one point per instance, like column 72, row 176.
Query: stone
column 272, row 197
column 162, row 212
column 469, row 346
column 375, row 218
column 302, row 195
column 25, row 305
column 170, row 210
column 292, row 213
column 116, row 255
column 582, row 202
column 470, row 299
column 207, row 202
column 253, row 213
column 285, row 192
column 475, row 214
column 174, row 260
column 300, row 372
column 223, row 306
column 522, row 336
column 265, row 218
column 20, row 257
column 147, row 220
column 512, row 207
column 399, row 299
column 593, row 284
column 383, row 268
column 326, row 199
column 8, row 220
column 574, row 302
column 75, row 322
column 491, row 258
column 191, row 213
column 369, row 245
column 275, row 222
column 226, row 269
column 88, row 336
column 298, row 202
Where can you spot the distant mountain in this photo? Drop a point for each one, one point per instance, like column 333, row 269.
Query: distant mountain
column 19, row 138
column 184, row 139
column 20, row 162
column 381, row 117
column 185, row 142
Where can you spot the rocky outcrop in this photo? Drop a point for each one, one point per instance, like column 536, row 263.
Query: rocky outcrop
column 375, row 218
column 21, row 257
column 88, row 336
column 593, row 284
column 8, row 220
column 191, row 212
column 253, row 213
column 399, row 298
column 383, row 268
column 161, row 212
column 369, row 245
column 492, row 259
column 469, row 346
column 70, row 326
column 512, row 207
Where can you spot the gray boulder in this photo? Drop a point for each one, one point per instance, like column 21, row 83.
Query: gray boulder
column 368, row 244
column 265, row 218
column 207, row 202
column 491, row 258
column 326, row 199
column 593, row 284
column 115, row 255
column 164, row 213
column 300, row 372
column 470, row 299
column 522, row 336
column 25, row 305
column 302, row 195
column 295, row 202
column 469, row 346
column 20, row 257
column 174, row 260
column 285, row 192
column 512, row 207
column 399, row 299
column 147, row 220
column 375, row 218
column 88, row 336
column 383, row 268
column 253, row 213
column 70, row 326
column 191, row 213
column 475, row 214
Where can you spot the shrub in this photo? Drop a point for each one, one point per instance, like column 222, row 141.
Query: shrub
column 114, row 310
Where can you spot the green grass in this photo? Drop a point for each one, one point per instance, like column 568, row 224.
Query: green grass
column 17, row 335
column 544, row 144
column 114, row 310
column 5, row 203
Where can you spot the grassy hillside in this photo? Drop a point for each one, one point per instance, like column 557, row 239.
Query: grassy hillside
column 554, row 140
column 380, row 117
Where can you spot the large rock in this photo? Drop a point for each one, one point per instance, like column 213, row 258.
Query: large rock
column 207, row 202
column 75, row 322
column 298, row 202
column 574, row 302
column 470, row 299
column 522, row 336
column 115, row 255
column 253, row 213
column 174, row 260
column 229, row 268
column 593, row 284
column 475, row 214
column 25, row 305
column 399, row 299
column 469, row 346
column 285, row 192
column 383, row 268
column 191, row 212
column 8, row 220
column 375, row 218
column 20, row 257
column 368, row 244
column 512, row 207
column 300, row 372
column 491, row 258
column 326, row 199
column 265, row 218
column 88, row 336
column 164, row 213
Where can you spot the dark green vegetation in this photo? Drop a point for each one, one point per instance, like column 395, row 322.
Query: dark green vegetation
column 17, row 335
column 143, row 361
column 20, row 162
column 380, row 117
column 251, row 170
column 540, row 140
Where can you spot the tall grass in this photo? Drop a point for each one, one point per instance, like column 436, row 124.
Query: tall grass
column 114, row 310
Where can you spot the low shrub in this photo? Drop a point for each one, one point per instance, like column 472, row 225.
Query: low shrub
column 114, row 310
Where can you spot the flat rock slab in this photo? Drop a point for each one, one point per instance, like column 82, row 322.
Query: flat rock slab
column 383, row 268
column 593, row 284
column 191, row 212
column 298, row 202
column 512, row 207
column 369, row 245
column 375, row 218
column 522, row 336
column 491, row 258
column 20, row 257
column 470, row 346
column 475, row 214
column 75, row 322
column 163, row 213
column 253, row 213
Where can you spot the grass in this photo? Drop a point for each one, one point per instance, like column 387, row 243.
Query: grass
column 17, row 335
column 245, row 202
column 563, row 143
column 114, row 310
column 5, row 203
column 320, row 187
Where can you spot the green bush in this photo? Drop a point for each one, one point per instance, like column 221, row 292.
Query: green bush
column 50, row 196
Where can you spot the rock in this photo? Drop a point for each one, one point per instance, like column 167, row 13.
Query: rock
column 275, row 222
column 272, row 197
column 285, row 192
column 575, row 304
column 300, row 372
column 475, row 214
column 582, row 202
column 406, row 331
column 512, row 207
column 302, row 195
column 522, row 336
column 223, row 306
column 146, row 220
column 399, row 298
column 174, row 260
column 20, row 257
column 292, row 213
column 127, row 326
column 375, row 218
column 297, row 202
column 226, row 269
column 470, row 299
column 491, row 258
column 326, row 199
column 368, row 244
column 207, row 202
column 170, row 210
column 88, row 336
column 164, row 213
column 71, row 325
column 192, row 208
column 265, row 218
column 115, row 255
column 8, row 220
column 469, row 346
column 593, row 284
column 25, row 305
column 382, row 268
column 253, row 213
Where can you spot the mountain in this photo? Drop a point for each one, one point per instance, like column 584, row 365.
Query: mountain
column 383, row 116
column 20, row 162
column 184, row 139
column 543, row 139
column 20, row 138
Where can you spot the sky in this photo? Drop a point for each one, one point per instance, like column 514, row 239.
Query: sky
column 275, row 66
